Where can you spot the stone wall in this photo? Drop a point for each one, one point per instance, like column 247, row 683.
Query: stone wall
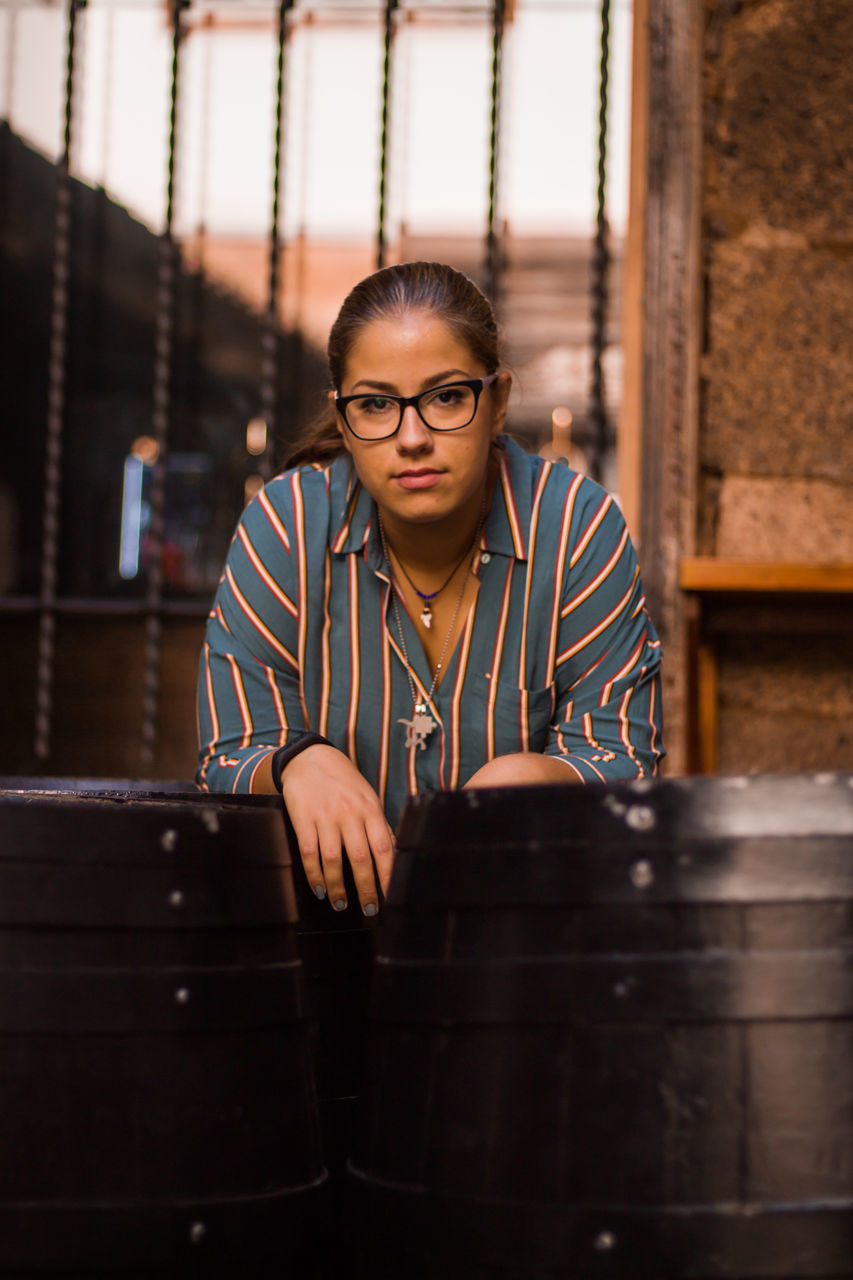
column 776, row 424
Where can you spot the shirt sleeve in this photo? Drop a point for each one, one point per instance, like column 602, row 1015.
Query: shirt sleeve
column 608, row 723
column 250, row 698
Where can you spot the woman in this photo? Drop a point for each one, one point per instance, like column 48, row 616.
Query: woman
column 417, row 603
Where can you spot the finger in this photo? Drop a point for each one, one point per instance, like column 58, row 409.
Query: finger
column 307, row 843
column 383, row 847
column 359, row 857
column 331, row 856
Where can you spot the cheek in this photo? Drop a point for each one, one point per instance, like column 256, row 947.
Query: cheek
column 363, row 462
column 339, row 426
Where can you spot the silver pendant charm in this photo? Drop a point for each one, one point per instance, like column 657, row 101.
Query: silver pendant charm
column 419, row 727
column 426, row 615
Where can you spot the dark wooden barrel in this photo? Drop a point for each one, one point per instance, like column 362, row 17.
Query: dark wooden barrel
column 337, row 950
column 157, row 1093
column 612, row 1035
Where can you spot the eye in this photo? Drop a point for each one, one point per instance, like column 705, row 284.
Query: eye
column 374, row 404
column 447, row 397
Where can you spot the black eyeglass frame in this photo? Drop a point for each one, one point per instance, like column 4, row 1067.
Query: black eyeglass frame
column 477, row 385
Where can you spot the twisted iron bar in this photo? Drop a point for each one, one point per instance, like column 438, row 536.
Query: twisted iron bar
column 56, row 385
column 270, row 339
column 163, row 346
column 600, row 265
column 381, row 241
column 493, row 264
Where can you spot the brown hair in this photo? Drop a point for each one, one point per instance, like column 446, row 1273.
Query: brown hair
column 408, row 286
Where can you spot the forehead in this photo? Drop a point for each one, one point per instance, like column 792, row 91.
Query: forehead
column 414, row 344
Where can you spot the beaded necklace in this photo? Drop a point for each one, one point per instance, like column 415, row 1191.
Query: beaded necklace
column 428, row 596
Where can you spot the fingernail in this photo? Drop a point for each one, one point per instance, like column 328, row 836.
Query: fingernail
column 340, row 904
column 320, row 891
column 371, row 909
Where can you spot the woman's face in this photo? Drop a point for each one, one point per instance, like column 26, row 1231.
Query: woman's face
column 419, row 475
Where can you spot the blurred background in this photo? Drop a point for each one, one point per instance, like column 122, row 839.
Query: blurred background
column 189, row 189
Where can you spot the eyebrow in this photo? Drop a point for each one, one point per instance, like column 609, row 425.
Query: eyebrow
column 448, row 375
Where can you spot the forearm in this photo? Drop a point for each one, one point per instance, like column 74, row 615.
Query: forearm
column 262, row 780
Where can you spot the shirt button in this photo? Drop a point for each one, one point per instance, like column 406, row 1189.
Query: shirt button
column 485, row 557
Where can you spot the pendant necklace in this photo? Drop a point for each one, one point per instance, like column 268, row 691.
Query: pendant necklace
column 422, row 723
column 429, row 596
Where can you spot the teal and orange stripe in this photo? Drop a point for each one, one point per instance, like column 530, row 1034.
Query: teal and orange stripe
column 273, row 518
column 254, row 621
column 355, row 661
column 455, row 716
column 385, row 723
column 264, row 574
column 325, row 649
column 495, row 664
column 531, row 555
column 301, row 578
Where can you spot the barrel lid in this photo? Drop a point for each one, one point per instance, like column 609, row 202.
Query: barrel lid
column 646, row 811
column 127, row 827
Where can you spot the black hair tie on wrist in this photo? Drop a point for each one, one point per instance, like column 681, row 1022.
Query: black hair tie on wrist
column 284, row 755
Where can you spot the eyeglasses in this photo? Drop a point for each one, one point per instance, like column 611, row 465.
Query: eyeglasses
column 446, row 408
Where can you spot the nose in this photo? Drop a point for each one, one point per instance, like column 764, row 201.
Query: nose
column 414, row 435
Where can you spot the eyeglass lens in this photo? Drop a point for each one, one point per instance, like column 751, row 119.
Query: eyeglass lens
column 444, row 409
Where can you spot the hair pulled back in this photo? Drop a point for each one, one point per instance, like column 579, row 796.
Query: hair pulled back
column 390, row 292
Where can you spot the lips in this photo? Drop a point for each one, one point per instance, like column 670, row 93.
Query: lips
column 422, row 478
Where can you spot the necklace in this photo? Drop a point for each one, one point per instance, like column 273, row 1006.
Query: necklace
column 428, row 596
column 422, row 723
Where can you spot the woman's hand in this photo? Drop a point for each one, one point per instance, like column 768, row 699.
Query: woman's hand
column 522, row 768
column 333, row 809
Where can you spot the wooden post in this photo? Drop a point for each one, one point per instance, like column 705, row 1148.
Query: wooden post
column 659, row 455
column 629, row 442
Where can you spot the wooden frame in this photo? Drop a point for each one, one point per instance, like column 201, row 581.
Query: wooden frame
column 737, row 595
column 663, row 329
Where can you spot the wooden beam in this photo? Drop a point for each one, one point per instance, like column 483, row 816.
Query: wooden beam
column 673, row 339
column 711, row 574
column 630, row 436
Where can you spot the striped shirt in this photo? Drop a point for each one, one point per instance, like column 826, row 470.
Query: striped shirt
column 558, row 654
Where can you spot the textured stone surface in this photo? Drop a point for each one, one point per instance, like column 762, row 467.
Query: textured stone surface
column 776, row 393
column 781, row 119
column 768, row 742
column 785, row 702
column 779, row 366
column 798, row 674
column 800, row 520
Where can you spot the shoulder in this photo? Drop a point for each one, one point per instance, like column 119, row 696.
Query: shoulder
column 300, row 501
column 555, row 493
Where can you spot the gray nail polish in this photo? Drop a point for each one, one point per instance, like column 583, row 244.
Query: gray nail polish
column 319, row 891
column 371, row 909
column 340, row 904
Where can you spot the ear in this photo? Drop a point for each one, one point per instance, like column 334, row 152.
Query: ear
column 338, row 422
column 500, row 390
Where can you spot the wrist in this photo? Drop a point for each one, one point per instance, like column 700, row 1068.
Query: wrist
column 282, row 757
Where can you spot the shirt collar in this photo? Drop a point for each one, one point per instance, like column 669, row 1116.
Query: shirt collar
column 508, row 520
column 352, row 510
column 353, row 525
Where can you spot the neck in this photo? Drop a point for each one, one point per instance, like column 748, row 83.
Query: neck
column 435, row 547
